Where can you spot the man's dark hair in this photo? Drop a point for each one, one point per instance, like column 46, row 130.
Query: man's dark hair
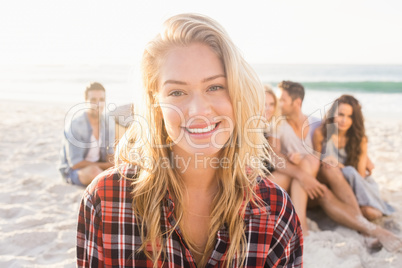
column 93, row 86
column 295, row 90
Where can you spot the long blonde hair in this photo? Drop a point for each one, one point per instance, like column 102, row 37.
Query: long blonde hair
column 236, row 186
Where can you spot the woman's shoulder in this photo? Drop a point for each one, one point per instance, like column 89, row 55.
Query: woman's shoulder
column 318, row 137
column 318, row 131
column 273, row 196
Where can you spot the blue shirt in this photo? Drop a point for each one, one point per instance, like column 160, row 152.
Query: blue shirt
column 77, row 141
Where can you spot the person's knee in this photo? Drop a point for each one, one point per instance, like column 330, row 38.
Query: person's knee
column 329, row 173
column 282, row 180
column 94, row 171
column 89, row 173
column 371, row 213
column 310, row 163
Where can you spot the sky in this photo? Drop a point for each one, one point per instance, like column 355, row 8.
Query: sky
column 269, row 31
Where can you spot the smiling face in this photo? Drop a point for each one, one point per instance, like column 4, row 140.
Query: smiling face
column 195, row 102
column 286, row 103
column 270, row 106
column 343, row 117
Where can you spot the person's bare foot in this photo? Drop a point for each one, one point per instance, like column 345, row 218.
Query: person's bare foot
column 390, row 241
column 372, row 243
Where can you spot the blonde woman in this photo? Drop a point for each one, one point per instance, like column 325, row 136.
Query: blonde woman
column 271, row 104
column 181, row 196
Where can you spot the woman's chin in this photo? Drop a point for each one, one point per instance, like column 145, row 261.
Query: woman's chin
column 200, row 151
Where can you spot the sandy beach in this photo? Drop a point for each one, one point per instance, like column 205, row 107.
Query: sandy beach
column 38, row 210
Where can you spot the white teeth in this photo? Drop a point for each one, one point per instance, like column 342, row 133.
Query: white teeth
column 202, row 130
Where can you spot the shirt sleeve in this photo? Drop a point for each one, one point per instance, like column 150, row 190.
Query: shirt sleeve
column 286, row 249
column 75, row 149
column 89, row 235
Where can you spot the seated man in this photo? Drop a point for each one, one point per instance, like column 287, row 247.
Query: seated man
column 292, row 140
column 88, row 141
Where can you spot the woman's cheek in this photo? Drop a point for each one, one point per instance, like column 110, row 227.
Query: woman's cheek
column 173, row 121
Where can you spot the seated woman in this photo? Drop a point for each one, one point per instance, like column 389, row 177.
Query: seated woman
column 343, row 144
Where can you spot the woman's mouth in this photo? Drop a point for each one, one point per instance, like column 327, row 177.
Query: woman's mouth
column 202, row 130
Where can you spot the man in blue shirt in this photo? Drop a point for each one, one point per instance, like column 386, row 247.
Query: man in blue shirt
column 88, row 141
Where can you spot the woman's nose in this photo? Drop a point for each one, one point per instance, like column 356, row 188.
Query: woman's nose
column 199, row 105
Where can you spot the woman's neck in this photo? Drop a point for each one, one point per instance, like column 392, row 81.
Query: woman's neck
column 341, row 134
column 340, row 139
column 197, row 172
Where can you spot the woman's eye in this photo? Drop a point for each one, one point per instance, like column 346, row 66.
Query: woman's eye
column 215, row 88
column 176, row 93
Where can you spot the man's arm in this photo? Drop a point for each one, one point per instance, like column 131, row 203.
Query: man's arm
column 85, row 163
column 310, row 184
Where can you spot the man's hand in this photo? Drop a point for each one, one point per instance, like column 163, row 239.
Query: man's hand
column 295, row 158
column 310, row 184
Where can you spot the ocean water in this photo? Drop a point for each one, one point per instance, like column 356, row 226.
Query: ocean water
column 378, row 87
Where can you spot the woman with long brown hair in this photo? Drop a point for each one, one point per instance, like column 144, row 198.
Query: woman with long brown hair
column 344, row 144
column 341, row 144
column 189, row 190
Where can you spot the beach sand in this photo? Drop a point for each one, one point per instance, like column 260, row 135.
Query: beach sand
column 38, row 210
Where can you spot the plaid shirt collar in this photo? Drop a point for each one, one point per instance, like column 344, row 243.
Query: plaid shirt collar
column 222, row 238
column 252, row 209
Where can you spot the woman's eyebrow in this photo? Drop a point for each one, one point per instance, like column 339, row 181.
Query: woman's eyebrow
column 177, row 82
column 213, row 77
column 174, row 82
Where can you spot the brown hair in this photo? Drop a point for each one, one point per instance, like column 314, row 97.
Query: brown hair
column 93, row 86
column 295, row 90
column 355, row 134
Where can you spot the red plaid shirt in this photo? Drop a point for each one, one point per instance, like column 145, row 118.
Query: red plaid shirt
column 108, row 233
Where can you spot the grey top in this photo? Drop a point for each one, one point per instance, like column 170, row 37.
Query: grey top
column 291, row 143
column 331, row 149
column 365, row 189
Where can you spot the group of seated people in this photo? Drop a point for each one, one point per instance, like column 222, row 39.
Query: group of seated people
column 319, row 163
column 325, row 163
